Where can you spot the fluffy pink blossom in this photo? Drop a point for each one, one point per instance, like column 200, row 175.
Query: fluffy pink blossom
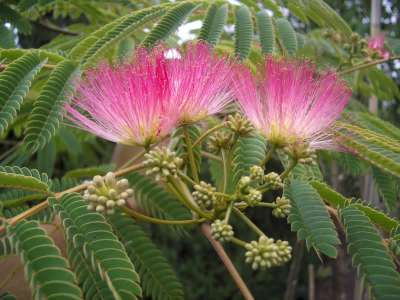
column 289, row 103
column 141, row 102
column 201, row 83
column 377, row 43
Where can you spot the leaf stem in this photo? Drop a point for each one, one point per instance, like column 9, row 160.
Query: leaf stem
column 207, row 133
column 367, row 65
column 139, row 216
column 238, row 242
column 248, row 221
column 268, row 155
column 190, row 153
column 267, row 204
column 287, row 171
column 225, row 175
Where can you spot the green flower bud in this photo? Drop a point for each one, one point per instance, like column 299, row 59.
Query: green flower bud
column 219, row 140
column 104, row 193
column 273, row 180
column 257, row 173
column 253, row 197
column 239, row 124
column 265, row 253
column 204, row 194
column 282, row 208
column 221, row 231
column 162, row 162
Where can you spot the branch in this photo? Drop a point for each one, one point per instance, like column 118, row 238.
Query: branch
column 369, row 64
column 206, row 230
column 55, row 28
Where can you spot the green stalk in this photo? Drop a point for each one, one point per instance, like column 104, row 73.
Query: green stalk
column 267, row 204
column 137, row 215
column 248, row 221
column 190, row 153
column 225, row 165
column 238, row 242
column 287, row 171
column 369, row 64
column 207, row 133
column 268, row 155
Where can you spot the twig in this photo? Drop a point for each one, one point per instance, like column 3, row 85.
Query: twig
column 311, row 282
column 189, row 149
column 55, row 28
column 369, row 64
column 207, row 133
column 206, row 230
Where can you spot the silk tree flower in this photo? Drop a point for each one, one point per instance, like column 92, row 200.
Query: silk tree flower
column 127, row 104
column 377, row 43
column 291, row 104
column 201, row 83
column 141, row 102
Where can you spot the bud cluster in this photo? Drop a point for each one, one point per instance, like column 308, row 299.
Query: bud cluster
column 273, row 180
column 239, row 124
column 162, row 162
column 302, row 153
column 257, row 174
column 282, row 208
column 219, row 140
column 221, row 231
column 204, row 194
column 105, row 193
column 247, row 193
column 266, row 253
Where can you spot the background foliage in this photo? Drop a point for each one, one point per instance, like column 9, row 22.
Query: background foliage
column 46, row 45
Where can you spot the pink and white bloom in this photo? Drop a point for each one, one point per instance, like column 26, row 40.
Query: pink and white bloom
column 141, row 102
column 290, row 103
column 377, row 43
column 201, row 83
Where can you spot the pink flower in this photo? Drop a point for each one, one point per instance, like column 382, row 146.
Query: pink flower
column 128, row 104
column 141, row 102
column 291, row 104
column 377, row 43
column 201, row 83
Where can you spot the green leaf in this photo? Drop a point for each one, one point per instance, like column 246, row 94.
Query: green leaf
column 48, row 109
column 287, row 35
column 90, row 172
column 310, row 219
column 15, row 82
column 157, row 202
column 213, row 24
column 375, row 148
column 387, row 186
column 325, row 16
column 370, row 255
column 120, row 31
column 6, row 247
column 7, row 14
column 337, row 200
column 7, row 39
column 23, row 178
column 266, row 32
column 159, row 280
column 92, row 235
column 45, row 269
column 248, row 151
column 169, row 23
column 243, row 32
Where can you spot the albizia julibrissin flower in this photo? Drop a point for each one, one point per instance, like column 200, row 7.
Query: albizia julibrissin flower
column 140, row 102
column 290, row 103
column 377, row 43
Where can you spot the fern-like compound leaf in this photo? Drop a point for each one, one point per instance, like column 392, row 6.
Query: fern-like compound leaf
column 46, row 270
column 15, row 82
column 92, row 235
column 310, row 219
column 243, row 32
column 370, row 256
column 48, row 109
column 158, row 278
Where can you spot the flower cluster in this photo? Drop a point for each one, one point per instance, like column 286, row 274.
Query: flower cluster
column 204, row 194
column 282, row 208
column 377, row 44
column 292, row 104
column 104, row 193
column 141, row 102
column 221, row 231
column 162, row 162
column 266, row 253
